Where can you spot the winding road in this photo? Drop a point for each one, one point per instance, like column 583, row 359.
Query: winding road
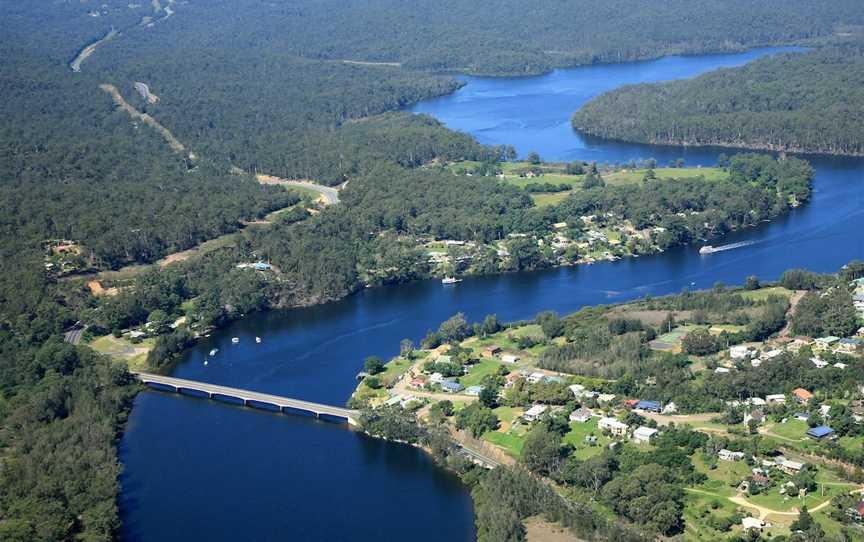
column 329, row 194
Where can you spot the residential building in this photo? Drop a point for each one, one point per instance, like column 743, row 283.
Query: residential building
column 670, row 408
column 511, row 379
column 577, row 389
column 536, row 377
column 534, row 413
column 825, row 343
column 821, row 432
column 790, row 467
column 581, row 415
column 801, row 416
column 740, row 351
column 616, row 428
column 554, row 379
column 729, row 455
column 606, row 397
column 451, row 387
column 847, row 346
column 509, row 358
column 756, row 415
column 775, row 399
column 752, row 523
column 648, row 406
column 819, row 363
column 474, row 391
column 491, row 351
column 802, row 395
column 722, row 370
column 643, row 434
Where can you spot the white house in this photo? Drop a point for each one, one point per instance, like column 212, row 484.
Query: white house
column 436, row 378
column 509, row 358
column 752, row 523
column 790, row 467
column 577, row 389
column 777, row 399
column 721, row 370
column 740, row 351
column 756, row 362
column 729, row 455
column 643, row 434
column 606, row 397
column 534, row 378
column 581, row 415
column 670, row 408
column 619, row 429
column 769, row 355
column 840, row 365
column 819, row 363
column 534, row 413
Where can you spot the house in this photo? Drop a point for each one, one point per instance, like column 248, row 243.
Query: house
column 760, row 480
column 581, row 415
column 670, row 408
column 577, row 389
column 534, row 413
column 729, row 455
column 825, row 343
column 740, row 351
column 802, row 395
column 511, row 379
column 839, row 365
column 554, row 379
column 752, row 523
column 444, row 359
column 824, row 410
column 418, row 383
column 775, row 399
column 757, row 401
column 473, row 390
column 491, row 351
column 801, row 416
column 821, row 432
column 451, row 387
column 643, row 434
column 631, row 403
column 261, row 266
column 790, row 467
column 648, row 406
column 605, row 397
column 616, row 428
column 771, row 354
column 756, row 362
column 756, row 415
column 847, row 346
column 819, row 363
column 536, row 377
column 721, row 370
column 436, row 378
column 509, row 358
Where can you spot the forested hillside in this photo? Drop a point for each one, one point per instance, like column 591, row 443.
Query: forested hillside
column 812, row 103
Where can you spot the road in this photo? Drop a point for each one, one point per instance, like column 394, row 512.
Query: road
column 73, row 336
column 329, row 194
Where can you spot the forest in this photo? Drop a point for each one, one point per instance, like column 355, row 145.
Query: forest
column 799, row 102
column 251, row 87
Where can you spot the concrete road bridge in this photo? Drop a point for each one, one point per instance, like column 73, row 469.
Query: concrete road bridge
column 251, row 398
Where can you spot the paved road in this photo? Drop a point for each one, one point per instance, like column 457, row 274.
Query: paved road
column 73, row 336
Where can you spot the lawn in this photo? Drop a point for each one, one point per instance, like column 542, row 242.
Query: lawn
column 576, row 438
column 720, row 479
column 546, row 200
column 479, row 371
column 672, row 341
column 393, row 370
column 512, row 443
column 764, row 293
column 133, row 355
column 791, row 430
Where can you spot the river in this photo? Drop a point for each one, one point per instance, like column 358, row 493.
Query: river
column 199, row 470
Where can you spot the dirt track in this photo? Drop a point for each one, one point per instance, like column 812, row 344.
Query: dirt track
column 166, row 134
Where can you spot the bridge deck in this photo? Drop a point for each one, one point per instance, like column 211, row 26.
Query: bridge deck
column 246, row 395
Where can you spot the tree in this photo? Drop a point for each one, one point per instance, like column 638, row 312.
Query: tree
column 489, row 396
column 551, row 324
column 454, row 328
column 533, row 158
column 406, row 348
column 476, row 418
column 668, row 323
column 752, row 283
column 490, row 325
column 700, row 343
column 804, row 521
column 373, row 365
column 542, row 450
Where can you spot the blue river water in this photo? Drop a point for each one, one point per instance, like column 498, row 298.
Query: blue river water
column 200, row 470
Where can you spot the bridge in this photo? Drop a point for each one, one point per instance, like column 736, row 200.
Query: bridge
column 251, row 398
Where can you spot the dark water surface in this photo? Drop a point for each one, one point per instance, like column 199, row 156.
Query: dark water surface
column 199, row 470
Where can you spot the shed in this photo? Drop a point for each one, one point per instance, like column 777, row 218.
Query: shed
column 648, row 406
column 643, row 434
column 451, row 387
column 820, row 432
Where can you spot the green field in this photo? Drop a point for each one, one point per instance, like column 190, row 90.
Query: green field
column 133, row 355
column 511, row 442
column 764, row 293
column 672, row 340
column 479, row 371
column 577, row 434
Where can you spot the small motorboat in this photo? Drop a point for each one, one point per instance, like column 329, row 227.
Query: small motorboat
column 258, row 340
column 235, row 340
column 213, row 352
column 450, row 280
column 205, row 362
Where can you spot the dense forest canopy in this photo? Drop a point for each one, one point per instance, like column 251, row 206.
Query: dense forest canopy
column 810, row 102
column 252, row 87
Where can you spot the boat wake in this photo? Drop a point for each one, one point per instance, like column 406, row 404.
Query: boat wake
column 708, row 249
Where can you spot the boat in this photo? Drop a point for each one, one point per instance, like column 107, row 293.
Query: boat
column 258, row 340
column 213, row 352
column 205, row 362
column 707, row 249
column 450, row 280
column 235, row 340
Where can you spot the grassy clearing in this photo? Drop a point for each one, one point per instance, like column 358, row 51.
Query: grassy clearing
column 393, row 370
column 479, row 371
column 764, row 293
column 122, row 350
column 576, row 438
column 511, row 442
column 791, row 430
